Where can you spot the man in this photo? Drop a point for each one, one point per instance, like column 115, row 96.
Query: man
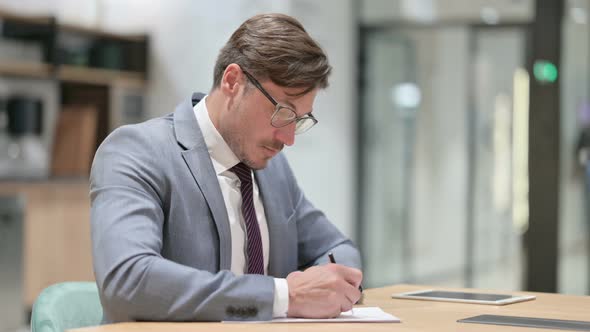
column 196, row 216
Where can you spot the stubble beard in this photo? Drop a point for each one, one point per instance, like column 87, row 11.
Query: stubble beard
column 237, row 143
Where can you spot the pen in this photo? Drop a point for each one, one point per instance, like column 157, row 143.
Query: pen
column 333, row 261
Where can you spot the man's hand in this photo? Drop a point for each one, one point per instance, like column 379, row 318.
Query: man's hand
column 323, row 291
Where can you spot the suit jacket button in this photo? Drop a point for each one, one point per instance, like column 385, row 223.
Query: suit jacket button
column 230, row 311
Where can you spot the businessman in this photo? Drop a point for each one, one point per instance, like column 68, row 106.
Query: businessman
column 196, row 216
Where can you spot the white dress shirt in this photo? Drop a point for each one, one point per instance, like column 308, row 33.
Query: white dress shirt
column 223, row 160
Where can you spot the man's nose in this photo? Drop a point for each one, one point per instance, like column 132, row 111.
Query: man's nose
column 286, row 134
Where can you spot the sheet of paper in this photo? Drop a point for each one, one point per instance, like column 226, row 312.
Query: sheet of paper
column 357, row 315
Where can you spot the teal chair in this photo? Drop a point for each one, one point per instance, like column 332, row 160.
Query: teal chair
column 66, row 305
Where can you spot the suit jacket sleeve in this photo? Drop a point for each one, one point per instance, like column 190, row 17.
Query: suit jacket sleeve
column 128, row 190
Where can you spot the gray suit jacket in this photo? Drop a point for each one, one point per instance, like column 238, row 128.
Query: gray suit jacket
column 160, row 233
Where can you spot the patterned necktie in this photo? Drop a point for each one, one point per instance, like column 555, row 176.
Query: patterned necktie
column 254, row 242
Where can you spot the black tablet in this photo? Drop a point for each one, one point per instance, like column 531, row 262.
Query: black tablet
column 465, row 297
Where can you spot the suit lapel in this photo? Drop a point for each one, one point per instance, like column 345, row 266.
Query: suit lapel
column 196, row 156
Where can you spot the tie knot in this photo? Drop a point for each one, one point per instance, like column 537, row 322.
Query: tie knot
column 243, row 172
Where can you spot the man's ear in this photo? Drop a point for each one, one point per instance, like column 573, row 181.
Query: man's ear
column 231, row 79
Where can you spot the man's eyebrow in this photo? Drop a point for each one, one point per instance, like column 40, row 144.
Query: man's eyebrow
column 290, row 104
column 287, row 103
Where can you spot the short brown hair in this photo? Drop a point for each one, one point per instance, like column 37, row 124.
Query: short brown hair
column 275, row 47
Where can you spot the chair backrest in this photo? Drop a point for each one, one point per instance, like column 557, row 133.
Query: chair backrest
column 66, row 305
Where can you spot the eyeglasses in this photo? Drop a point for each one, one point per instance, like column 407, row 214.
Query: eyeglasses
column 284, row 115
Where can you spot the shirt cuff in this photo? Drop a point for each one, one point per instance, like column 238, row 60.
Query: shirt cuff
column 280, row 305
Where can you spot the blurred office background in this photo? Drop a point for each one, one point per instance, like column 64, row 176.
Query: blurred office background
column 450, row 147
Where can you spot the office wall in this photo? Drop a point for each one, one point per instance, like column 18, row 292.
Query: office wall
column 186, row 36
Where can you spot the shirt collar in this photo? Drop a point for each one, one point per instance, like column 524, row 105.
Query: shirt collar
column 222, row 156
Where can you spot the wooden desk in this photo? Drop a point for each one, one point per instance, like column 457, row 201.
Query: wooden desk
column 416, row 315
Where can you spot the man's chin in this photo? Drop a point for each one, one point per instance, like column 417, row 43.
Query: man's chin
column 258, row 164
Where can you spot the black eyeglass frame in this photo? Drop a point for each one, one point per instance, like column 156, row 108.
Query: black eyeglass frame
column 298, row 120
